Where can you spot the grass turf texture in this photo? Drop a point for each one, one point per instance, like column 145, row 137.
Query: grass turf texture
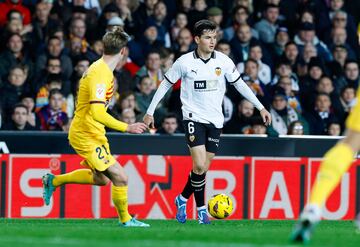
column 169, row 233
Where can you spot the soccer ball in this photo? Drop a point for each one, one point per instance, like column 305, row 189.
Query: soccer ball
column 220, row 206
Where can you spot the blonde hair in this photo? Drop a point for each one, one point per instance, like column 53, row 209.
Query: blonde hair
column 114, row 40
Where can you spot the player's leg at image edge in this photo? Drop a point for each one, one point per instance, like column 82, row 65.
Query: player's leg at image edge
column 336, row 162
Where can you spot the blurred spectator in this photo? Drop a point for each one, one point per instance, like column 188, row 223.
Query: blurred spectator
column 307, row 34
column 240, row 16
column 29, row 102
column 351, row 70
column 321, row 115
column 240, row 123
column 143, row 12
column 15, row 55
column 169, row 125
column 126, row 100
column 125, row 8
column 184, row 6
column 152, row 68
column 224, row 47
column 9, row 5
column 167, row 57
column 198, row 12
column 184, row 42
column 291, row 53
column 347, row 99
column 215, row 15
column 143, row 99
column 339, row 38
column 285, row 83
column 264, row 71
column 159, row 20
column 53, row 66
column 341, row 19
column 334, row 129
column 308, row 83
column 42, row 24
column 147, row 90
column 257, row 126
column 282, row 115
column 308, row 53
column 13, row 88
column 128, row 116
column 284, row 69
column 114, row 22
column 82, row 63
column 123, row 75
column 51, row 116
column 336, row 66
column 267, row 25
column 179, row 23
column 109, row 11
column 240, row 43
column 54, row 50
column 281, row 39
column 296, row 128
column 143, row 45
column 18, row 119
column 53, row 81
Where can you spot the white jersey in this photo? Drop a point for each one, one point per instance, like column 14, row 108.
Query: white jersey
column 203, row 85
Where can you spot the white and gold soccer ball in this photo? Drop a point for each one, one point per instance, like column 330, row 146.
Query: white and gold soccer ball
column 220, row 206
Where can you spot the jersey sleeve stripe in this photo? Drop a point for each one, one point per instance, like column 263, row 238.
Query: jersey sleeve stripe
column 97, row 102
column 168, row 79
column 235, row 80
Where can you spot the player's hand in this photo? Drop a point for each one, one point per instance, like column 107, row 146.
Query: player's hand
column 149, row 121
column 266, row 117
column 136, row 128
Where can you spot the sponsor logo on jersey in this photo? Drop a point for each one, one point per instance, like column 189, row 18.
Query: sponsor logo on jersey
column 195, row 71
column 100, row 90
column 199, row 84
column 218, row 71
column 206, row 85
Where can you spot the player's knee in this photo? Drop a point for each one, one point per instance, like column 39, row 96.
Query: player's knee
column 121, row 180
column 199, row 169
column 101, row 181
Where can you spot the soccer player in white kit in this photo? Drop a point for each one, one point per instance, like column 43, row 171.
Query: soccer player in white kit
column 203, row 73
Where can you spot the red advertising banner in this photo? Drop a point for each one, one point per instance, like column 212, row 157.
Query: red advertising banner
column 341, row 203
column 275, row 188
column 261, row 188
column 25, row 187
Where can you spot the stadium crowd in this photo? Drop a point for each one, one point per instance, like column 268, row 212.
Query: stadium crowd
column 300, row 57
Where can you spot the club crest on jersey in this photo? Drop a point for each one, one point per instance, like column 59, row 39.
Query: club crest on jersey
column 100, row 91
column 191, row 138
column 218, row 71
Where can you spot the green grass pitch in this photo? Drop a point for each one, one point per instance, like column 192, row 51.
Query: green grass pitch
column 167, row 233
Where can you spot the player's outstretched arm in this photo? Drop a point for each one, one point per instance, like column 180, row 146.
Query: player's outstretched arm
column 245, row 91
column 100, row 115
column 136, row 128
column 148, row 119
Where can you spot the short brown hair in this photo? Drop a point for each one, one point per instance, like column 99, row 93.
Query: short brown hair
column 114, row 41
